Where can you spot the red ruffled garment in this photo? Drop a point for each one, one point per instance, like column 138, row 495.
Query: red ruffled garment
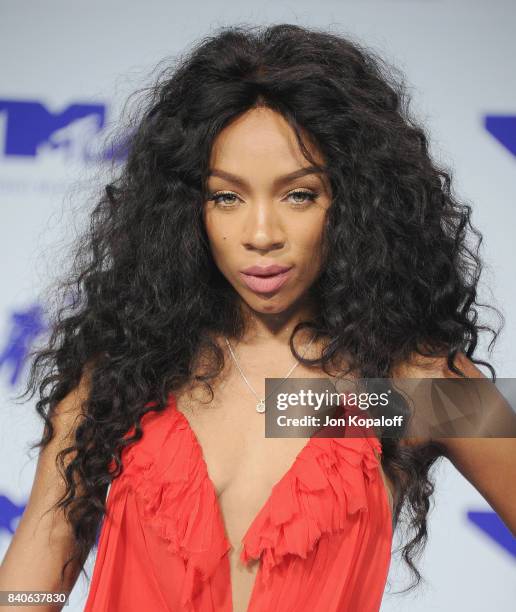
column 323, row 537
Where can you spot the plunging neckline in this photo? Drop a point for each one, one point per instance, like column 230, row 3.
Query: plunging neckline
column 331, row 492
column 242, row 542
column 275, row 486
column 213, row 488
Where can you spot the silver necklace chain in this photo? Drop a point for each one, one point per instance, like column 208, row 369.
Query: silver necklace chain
column 260, row 406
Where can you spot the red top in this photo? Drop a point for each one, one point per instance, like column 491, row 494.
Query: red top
column 324, row 535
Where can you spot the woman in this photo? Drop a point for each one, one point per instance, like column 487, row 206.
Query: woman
column 278, row 215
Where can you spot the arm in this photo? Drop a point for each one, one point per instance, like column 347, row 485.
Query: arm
column 44, row 540
column 489, row 464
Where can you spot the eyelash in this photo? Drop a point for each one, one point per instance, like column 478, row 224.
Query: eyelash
column 312, row 196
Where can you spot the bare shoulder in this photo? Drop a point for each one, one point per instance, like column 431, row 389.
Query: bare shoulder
column 488, row 463
column 420, row 366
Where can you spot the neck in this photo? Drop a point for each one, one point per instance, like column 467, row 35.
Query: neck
column 263, row 328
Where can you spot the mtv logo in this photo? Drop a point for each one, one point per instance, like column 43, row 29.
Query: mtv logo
column 503, row 128
column 9, row 511
column 492, row 526
column 30, row 129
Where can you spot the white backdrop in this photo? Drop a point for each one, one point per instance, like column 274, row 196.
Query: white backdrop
column 458, row 57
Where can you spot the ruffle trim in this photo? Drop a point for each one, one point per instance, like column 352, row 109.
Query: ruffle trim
column 324, row 487
column 167, row 481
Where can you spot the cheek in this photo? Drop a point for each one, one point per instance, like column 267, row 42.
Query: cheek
column 309, row 242
column 220, row 241
column 220, row 244
column 219, row 247
column 215, row 232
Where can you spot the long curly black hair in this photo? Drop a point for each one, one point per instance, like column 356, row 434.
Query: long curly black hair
column 400, row 278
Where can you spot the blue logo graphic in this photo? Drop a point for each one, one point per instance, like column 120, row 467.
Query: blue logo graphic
column 8, row 512
column 25, row 328
column 75, row 132
column 503, row 128
column 492, row 525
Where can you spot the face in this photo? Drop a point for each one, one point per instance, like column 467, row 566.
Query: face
column 265, row 211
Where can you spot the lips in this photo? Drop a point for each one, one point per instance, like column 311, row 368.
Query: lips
column 265, row 270
column 265, row 279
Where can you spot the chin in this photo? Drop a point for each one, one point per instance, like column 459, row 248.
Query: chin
column 267, row 304
column 270, row 308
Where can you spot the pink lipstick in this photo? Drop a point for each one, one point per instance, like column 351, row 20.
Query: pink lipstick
column 265, row 279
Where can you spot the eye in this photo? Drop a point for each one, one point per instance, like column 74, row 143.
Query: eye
column 227, row 199
column 308, row 196
column 215, row 198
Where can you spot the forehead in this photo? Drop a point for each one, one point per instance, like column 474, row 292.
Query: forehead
column 265, row 136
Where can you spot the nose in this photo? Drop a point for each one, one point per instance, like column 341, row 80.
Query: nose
column 263, row 228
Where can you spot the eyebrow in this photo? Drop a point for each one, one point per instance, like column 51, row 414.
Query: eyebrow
column 280, row 180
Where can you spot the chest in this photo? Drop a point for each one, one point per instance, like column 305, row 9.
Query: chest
column 231, row 434
column 243, row 465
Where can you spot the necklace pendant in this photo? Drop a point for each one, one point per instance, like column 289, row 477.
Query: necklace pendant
column 260, row 406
